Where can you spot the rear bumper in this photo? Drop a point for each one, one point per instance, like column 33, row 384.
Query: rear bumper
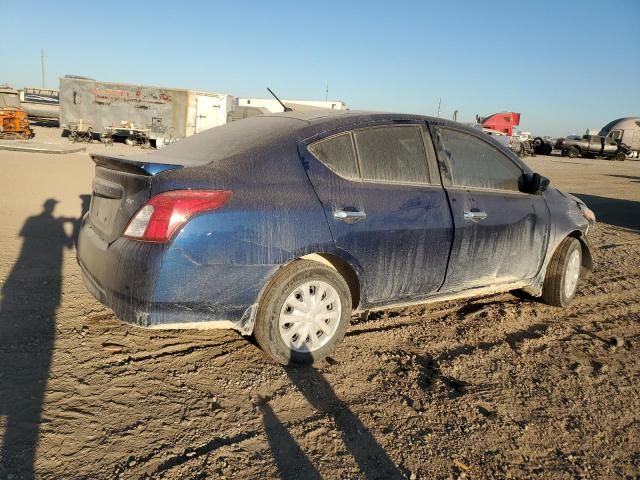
column 160, row 286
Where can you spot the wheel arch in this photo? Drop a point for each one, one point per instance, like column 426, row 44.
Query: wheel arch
column 345, row 269
column 587, row 258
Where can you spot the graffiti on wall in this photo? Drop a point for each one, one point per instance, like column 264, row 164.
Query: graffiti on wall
column 108, row 96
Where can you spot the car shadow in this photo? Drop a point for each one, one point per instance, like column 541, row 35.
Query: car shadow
column 30, row 297
column 633, row 178
column 372, row 460
column 614, row 211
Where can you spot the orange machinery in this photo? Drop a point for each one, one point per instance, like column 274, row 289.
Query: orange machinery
column 13, row 119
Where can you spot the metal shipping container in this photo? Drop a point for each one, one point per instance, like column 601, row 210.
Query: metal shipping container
column 164, row 112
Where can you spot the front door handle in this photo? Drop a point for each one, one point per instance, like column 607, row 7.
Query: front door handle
column 474, row 215
column 348, row 216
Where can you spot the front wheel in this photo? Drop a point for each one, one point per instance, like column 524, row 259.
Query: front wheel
column 620, row 157
column 303, row 314
column 573, row 152
column 563, row 273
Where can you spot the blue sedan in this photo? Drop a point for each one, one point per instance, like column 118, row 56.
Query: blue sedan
column 281, row 226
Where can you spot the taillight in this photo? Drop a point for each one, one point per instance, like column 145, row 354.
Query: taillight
column 166, row 212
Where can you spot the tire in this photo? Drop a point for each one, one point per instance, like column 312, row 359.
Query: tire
column 563, row 273
column 131, row 141
column 573, row 152
column 302, row 277
column 547, row 149
column 620, row 157
column 538, row 142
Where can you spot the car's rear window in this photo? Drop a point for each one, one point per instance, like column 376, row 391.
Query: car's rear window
column 337, row 153
column 392, row 154
column 388, row 153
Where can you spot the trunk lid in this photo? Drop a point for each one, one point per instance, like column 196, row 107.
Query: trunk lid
column 120, row 187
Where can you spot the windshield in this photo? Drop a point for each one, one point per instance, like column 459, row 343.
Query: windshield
column 9, row 100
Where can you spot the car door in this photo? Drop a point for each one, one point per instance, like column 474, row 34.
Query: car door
column 501, row 234
column 385, row 206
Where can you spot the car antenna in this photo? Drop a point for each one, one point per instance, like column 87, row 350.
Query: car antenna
column 286, row 109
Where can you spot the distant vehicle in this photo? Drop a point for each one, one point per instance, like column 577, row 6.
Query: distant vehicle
column 626, row 130
column 523, row 144
column 542, row 145
column 503, row 122
column 14, row 122
column 498, row 136
column 594, row 146
column 282, row 225
column 617, row 140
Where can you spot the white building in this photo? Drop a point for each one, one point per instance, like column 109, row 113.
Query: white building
column 272, row 105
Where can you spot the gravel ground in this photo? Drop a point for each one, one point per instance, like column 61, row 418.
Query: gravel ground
column 495, row 387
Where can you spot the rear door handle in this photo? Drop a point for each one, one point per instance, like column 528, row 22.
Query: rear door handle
column 348, row 216
column 475, row 215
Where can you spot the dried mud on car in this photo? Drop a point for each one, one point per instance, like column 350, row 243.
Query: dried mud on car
column 494, row 387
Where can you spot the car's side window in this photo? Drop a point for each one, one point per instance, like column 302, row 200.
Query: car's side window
column 393, row 153
column 338, row 154
column 477, row 164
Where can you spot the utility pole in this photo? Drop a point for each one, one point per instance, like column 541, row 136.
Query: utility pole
column 326, row 92
column 439, row 105
column 42, row 65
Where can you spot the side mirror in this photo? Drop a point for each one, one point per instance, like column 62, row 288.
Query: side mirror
column 533, row 183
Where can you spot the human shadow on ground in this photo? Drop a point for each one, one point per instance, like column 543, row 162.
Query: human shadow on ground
column 614, row 211
column 372, row 460
column 290, row 460
column 30, row 297
column 85, row 201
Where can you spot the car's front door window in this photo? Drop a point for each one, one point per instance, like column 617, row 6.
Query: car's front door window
column 475, row 163
column 500, row 233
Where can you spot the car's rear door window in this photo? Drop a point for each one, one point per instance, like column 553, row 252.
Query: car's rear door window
column 393, row 153
column 337, row 153
column 476, row 163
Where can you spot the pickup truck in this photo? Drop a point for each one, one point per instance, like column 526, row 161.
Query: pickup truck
column 593, row 146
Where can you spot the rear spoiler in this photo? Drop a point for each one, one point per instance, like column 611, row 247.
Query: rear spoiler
column 130, row 165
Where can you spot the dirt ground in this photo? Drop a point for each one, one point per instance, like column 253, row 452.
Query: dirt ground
column 495, row 387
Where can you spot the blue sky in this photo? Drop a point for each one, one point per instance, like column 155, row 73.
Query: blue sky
column 565, row 65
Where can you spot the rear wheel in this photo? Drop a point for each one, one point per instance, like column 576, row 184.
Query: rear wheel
column 563, row 273
column 620, row 157
column 303, row 314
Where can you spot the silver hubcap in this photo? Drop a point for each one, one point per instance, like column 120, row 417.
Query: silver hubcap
column 572, row 274
column 310, row 316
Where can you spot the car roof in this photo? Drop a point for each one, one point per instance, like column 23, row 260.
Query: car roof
column 275, row 130
column 338, row 117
